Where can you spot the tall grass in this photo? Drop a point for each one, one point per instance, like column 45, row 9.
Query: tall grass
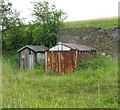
column 86, row 88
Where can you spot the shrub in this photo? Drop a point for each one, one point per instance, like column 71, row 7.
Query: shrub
column 40, row 64
column 94, row 63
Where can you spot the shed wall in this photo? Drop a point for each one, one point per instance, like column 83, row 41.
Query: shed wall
column 60, row 61
column 40, row 56
column 84, row 55
column 65, row 61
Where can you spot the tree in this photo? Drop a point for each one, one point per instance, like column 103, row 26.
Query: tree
column 5, row 9
column 9, row 17
column 50, row 19
column 10, row 23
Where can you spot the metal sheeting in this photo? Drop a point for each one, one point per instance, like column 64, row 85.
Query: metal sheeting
column 60, row 48
column 65, row 61
column 68, row 47
column 79, row 47
column 62, row 62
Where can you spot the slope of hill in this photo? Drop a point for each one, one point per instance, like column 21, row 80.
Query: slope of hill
column 103, row 23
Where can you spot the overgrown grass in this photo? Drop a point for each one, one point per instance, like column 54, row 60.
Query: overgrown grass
column 107, row 23
column 86, row 88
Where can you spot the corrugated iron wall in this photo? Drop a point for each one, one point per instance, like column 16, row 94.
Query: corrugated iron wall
column 62, row 61
column 65, row 61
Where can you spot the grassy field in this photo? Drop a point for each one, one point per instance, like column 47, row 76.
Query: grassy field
column 107, row 23
column 94, row 86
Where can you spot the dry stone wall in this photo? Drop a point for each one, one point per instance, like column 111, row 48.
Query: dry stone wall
column 104, row 40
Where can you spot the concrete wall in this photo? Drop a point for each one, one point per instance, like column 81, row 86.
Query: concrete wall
column 104, row 40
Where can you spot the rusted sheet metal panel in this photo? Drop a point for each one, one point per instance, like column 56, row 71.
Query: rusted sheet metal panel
column 62, row 61
column 65, row 61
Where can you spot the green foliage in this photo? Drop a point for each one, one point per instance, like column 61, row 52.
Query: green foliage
column 10, row 18
column 50, row 20
column 14, row 60
column 12, row 39
column 42, row 32
column 96, row 62
column 40, row 64
column 35, row 88
column 11, row 23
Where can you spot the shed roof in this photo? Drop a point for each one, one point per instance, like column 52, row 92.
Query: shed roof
column 35, row 48
column 79, row 47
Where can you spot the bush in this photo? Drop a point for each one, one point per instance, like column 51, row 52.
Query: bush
column 40, row 64
column 94, row 63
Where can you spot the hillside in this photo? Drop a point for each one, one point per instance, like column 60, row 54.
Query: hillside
column 107, row 23
column 101, row 34
column 16, row 38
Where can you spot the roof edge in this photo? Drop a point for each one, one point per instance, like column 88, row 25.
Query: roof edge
column 25, row 47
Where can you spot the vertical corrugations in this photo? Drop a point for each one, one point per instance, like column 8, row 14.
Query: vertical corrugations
column 64, row 61
column 46, row 61
column 59, row 62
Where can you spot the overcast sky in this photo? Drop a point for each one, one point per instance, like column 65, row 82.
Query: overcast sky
column 75, row 9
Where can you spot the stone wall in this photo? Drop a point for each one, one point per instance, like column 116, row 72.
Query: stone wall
column 104, row 40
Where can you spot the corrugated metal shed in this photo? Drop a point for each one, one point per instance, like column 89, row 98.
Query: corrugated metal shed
column 68, row 47
column 65, row 57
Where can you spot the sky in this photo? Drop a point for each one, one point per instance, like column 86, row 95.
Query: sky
column 76, row 9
